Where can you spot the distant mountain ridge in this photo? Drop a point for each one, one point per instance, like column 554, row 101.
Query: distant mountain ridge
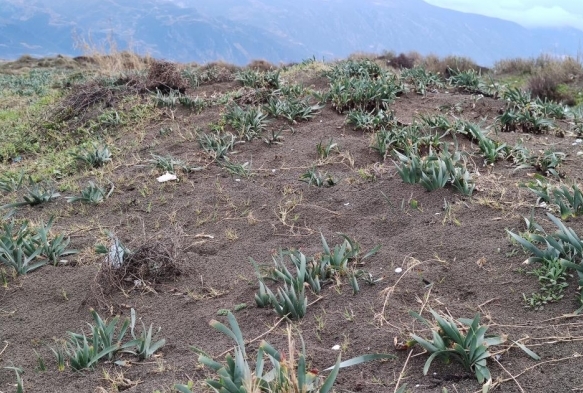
column 238, row 31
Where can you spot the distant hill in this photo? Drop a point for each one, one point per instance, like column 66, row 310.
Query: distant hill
column 238, row 31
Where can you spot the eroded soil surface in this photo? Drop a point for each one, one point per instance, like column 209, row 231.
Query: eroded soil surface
column 454, row 252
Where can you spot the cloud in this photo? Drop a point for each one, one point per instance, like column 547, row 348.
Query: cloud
column 529, row 13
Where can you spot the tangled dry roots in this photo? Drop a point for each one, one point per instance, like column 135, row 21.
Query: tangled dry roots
column 165, row 76
column 146, row 267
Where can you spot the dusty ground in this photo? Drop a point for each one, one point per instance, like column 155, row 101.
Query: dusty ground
column 457, row 261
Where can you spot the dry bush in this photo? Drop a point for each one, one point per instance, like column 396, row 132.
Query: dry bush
column 363, row 56
column 165, row 76
column 435, row 64
column 403, row 60
column 148, row 266
column 107, row 59
column 551, row 74
column 80, row 99
column 84, row 101
column 565, row 66
column 218, row 71
column 515, row 66
column 261, row 65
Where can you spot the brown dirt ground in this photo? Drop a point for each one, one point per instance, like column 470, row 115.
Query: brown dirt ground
column 439, row 258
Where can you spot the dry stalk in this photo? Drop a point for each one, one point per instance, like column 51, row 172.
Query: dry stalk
column 387, row 292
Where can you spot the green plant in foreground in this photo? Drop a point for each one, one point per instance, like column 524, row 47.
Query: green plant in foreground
column 552, row 276
column 463, row 341
column 106, row 340
column 324, row 150
column 563, row 247
column 26, row 249
column 19, row 382
column 144, row 347
column 53, row 249
column 92, row 194
column 289, row 373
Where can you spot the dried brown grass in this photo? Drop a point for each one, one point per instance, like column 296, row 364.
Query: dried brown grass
column 105, row 58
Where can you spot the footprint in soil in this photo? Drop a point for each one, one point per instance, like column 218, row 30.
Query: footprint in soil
column 205, row 249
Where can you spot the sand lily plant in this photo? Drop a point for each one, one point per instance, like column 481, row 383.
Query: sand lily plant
column 92, row 194
column 282, row 373
column 463, row 341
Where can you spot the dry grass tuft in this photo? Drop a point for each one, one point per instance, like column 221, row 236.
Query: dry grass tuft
column 442, row 65
column 106, row 59
column 219, row 71
column 261, row 65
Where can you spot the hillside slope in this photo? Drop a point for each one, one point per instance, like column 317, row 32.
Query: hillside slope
column 279, row 30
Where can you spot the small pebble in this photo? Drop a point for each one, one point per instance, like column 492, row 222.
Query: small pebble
column 398, row 270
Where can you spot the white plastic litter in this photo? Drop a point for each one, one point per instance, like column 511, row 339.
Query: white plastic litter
column 166, row 177
column 115, row 256
column 336, row 347
column 398, row 270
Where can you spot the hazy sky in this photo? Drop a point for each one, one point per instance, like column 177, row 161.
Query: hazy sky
column 529, row 13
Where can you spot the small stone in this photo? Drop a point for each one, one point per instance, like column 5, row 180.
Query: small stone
column 398, row 270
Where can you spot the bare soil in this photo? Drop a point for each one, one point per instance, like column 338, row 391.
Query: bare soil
column 458, row 262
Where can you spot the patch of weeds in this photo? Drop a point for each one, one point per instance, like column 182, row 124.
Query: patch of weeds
column 166, row 99
column 170, row 164
column 562, row 248
column 236, row 169
column 259, row 79
column 436, row 171
column 324, row 150
column 13, row 182
column 463, row 341
column 365, row 93
column 109, row 119
column 96, row 156
column 469, row 80
column 292, row 109
column 285, row 373
column 316, row 178
column 552, row 276
column 26, row 249
column 36, row 195
column 421, row 79
column 568, row 200
column 92, row 194
column 575, row 116
column 250, row 123
column 196, row 104
column 217, row 144
column 532, row 116
column 274, row 139
column 369, row 121
column 105, row 342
